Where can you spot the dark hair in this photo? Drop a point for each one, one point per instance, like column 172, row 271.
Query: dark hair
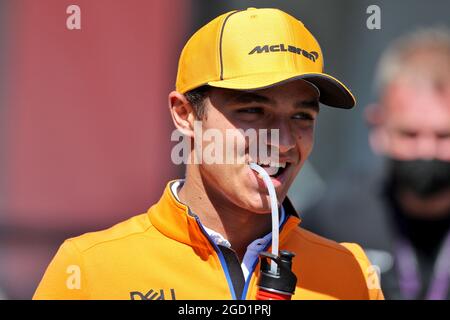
column 196, row 98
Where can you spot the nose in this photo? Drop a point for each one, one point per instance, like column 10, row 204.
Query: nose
column 284, row 139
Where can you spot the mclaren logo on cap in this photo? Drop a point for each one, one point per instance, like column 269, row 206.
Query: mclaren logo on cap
column 311, row 55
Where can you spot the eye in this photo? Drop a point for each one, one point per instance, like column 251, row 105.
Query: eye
column 408, row 134
column 443, row 135
column 251, row 110
column 303, row 116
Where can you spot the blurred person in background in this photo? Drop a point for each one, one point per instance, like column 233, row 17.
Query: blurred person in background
column 400, row 212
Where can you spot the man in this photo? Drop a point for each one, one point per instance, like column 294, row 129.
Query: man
column 256, row 69
column 401, row 215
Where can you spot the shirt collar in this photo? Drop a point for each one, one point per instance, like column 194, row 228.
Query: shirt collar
column 217, row 237
column 175, row 220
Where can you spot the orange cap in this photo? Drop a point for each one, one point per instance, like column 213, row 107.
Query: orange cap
column 255, row 49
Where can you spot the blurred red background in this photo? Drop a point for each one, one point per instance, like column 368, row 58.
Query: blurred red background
column 87, row 126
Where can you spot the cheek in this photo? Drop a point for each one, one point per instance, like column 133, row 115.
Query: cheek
column 444, row 150
column 228, row 180
column 399, row 143
column 305, row 142
column 233, row 184
column 399, row 147
column 217, row 174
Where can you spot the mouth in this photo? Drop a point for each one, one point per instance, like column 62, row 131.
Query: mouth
column 276, row 171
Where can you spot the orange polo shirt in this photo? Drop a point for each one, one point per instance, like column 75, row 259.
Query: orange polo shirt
column 166, row 254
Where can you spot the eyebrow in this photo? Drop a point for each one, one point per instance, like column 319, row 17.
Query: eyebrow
column 309, row 104
column 249, row 97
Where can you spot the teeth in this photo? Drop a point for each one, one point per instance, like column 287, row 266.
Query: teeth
column 271, row 170
column 275, row 165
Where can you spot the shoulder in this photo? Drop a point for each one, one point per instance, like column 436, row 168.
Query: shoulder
column 343, row 266
column 81, row 260
column 121, row 232
column 320, row 245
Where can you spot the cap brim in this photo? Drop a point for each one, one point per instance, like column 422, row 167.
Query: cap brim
column 332, row 92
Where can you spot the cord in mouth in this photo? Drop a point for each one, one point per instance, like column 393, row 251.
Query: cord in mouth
column 274, row 171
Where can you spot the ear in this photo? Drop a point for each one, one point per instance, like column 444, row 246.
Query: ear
column 378, row 137
column 183, row 115
column 372, row 114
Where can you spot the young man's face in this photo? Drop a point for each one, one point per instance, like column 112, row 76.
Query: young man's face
column 291, row 108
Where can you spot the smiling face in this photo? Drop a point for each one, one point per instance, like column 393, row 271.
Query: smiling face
column 290, row 108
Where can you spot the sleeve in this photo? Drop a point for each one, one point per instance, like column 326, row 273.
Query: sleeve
column 371, row 272
column 64, row 278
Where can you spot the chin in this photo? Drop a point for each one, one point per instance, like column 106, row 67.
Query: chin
column 259, row 204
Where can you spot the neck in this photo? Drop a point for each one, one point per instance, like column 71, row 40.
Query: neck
column 239, row 226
